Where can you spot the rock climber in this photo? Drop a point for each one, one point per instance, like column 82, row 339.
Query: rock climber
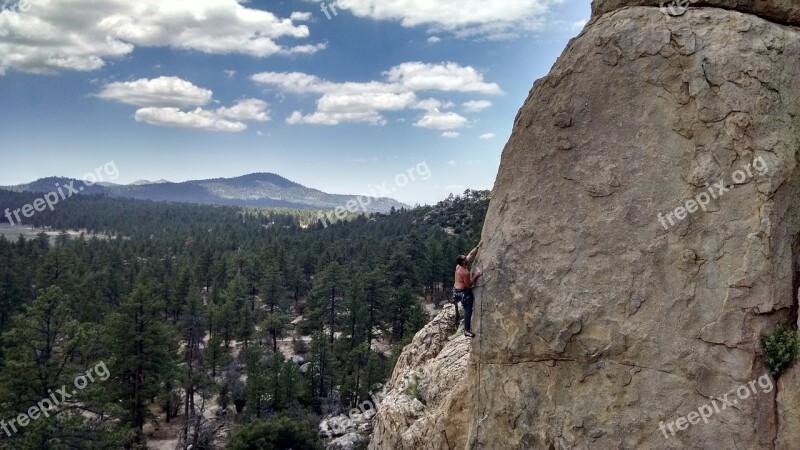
column 462, row 287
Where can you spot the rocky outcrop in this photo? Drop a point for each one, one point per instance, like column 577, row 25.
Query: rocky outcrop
column 643, row 233
column 780, row 11
column 424, row 404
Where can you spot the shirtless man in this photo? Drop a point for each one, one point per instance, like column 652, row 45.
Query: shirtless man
column 462, row 287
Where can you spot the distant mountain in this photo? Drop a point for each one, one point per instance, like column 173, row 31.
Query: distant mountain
column 263, row 190
column 143, row 182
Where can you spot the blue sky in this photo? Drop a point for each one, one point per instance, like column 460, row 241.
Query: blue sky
column 180, row 89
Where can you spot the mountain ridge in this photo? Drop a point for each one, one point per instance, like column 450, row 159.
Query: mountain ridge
column 258, row 189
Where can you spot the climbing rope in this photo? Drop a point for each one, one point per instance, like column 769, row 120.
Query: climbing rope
column 480, row 355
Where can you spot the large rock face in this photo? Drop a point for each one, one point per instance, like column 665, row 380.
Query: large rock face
column 602, row 319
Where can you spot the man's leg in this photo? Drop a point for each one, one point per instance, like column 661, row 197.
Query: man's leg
column 468, row 300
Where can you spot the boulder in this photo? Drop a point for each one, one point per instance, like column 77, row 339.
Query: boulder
column 643, row 233
column 349, row 441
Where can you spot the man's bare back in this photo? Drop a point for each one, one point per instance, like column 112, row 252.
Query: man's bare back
column 463, row 278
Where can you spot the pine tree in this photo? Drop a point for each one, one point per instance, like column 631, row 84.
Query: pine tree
column 143, row 347
column 195, row 378
column 40, row 349
column 325, row 298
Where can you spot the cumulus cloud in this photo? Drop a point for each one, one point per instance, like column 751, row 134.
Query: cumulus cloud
column 487, row 136
column 348, row 102
column 474, row 106
column 247, row 109
column 300, row 16
column 307, row 49
column 199, row 118
column 451, row 134
column 335, row 118
column 82, row 34
column 431, row 104
column 442, row 120
column 462, row 18
column 295, row 82
column 162, row 100
column 434, row 40
column 161, row 91
column 366, row 101
column 448, row 76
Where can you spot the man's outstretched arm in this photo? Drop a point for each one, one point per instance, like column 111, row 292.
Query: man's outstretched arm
column 474, row 251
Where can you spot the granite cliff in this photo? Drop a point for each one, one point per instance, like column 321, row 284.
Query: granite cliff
column 643, row 234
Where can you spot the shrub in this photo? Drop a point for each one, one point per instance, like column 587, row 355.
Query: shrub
column 781, row 349
column 299, row 346
column 412, row 390
column 277, row 433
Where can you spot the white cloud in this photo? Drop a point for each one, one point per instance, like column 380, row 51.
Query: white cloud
column 451, row 134
column 230, row 73
column 442, row 121
column 335, row 118
column 429, row 104
column 81, row 35
column 474, row 106
column 487, row 136
column 365, row 102
column 463, row 18
column 296, row 82
column 434, row 40
column 452, row 162
column 247, row 109
column 300, row 16
column 199, row 118
column 356, row 102
column 163, row 98
column 447, row 76
column 308, row 49
column 161, row 91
